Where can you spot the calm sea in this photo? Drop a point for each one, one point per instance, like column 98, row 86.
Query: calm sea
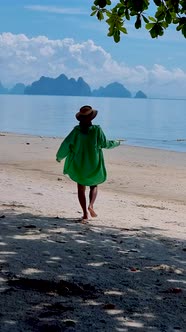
column 141, row 122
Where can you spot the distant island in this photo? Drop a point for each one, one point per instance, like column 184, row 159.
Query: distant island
column 62, row 86
column 112, row 90
column 140, row 94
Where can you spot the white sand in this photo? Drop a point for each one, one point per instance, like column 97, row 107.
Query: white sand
column 132, row 254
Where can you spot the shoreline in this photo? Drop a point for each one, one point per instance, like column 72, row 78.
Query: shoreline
column 2, row 133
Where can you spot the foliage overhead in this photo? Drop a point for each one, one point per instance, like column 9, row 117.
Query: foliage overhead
column 166, row 12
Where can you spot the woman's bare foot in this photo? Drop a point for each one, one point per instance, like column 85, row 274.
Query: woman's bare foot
column 84, row 220
column 92, row 212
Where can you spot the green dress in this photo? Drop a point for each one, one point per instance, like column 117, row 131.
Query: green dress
column 84, row 157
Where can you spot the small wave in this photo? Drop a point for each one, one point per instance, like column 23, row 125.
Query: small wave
column 178, row 145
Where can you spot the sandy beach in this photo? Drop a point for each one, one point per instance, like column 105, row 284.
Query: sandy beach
column 124, row 271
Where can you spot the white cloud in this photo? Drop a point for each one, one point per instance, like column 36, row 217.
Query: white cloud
column 57, row 10
column 24, row 59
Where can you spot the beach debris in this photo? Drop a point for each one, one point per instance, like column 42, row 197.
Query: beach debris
column 130, row 229
column 62, row 287
column 40, row 194
column 27, row 143
column 151, row 206
column 60, row 306
column 173, row 290
column 29, row 226
column 59, row 240
column 15, row 204
column 2, row 216
column 134, row 269
column 168, row 268
column 133, row 250
column 109, row 306
column 59, row 179
column 69, row 322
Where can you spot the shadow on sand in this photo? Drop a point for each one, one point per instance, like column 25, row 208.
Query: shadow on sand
column 60, row 275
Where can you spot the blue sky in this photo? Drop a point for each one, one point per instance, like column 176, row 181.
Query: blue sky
column 51, row 37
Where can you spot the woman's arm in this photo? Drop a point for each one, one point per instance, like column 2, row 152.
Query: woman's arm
column 107, row 144
column 65, row 147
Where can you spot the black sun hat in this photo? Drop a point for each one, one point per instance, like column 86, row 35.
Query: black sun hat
column 86, row 112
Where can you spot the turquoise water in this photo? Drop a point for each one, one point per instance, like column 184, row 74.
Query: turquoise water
column 141, row 122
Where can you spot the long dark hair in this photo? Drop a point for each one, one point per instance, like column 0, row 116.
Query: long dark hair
column 84, row 127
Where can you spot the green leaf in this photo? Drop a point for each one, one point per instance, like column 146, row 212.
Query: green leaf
column 108, row 13
column 179, row 27
column 160, row 15
column 154, row 32
column 138, row 22
column 127, row 14
column 116, row 35
column 100, row 15
column 133, row 13
column 110, row 34
column 124, row 30
column 168, row 17
column 164, row 24
column 149, row 26
column 152, row 19
column 176, row 20
column 121, row 11
column 159, row 29
column 161, row 33
column 184, row 30
column 157, row 2
column 93, row 13
column 145, row 19
column 96, row 2
column 145, row 4
column 111, row 30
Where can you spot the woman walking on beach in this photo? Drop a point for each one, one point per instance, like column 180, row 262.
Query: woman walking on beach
column 84, row 162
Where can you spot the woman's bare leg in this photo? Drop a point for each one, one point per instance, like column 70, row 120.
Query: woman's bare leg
column 92, row 198
column 82, row 200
